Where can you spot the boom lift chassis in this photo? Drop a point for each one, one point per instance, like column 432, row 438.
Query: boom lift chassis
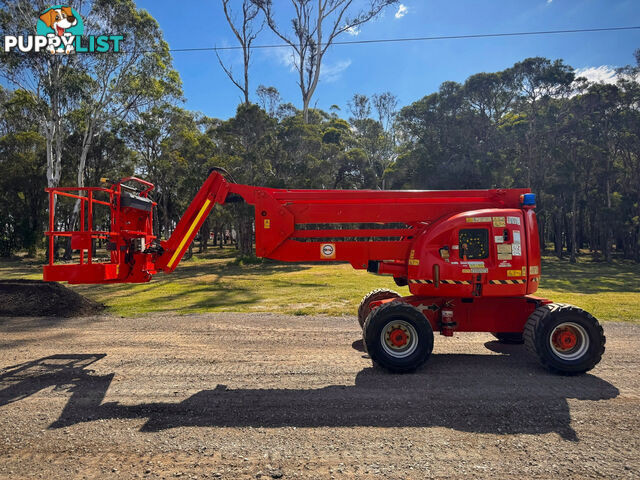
column 471, row 259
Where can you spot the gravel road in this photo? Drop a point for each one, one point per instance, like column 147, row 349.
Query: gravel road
column 238, row 396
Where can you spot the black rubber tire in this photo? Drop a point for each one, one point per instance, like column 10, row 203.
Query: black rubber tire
column 509, row 338
column 379, row 318
column 541, row 324
column 373, row 296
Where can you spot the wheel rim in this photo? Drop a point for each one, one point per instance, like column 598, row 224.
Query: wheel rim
column 569, row 341
column 399, row 338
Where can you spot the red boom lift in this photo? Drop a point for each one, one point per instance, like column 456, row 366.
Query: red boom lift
column 471, row 259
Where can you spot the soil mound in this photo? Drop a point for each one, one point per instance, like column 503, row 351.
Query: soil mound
column 34, row 298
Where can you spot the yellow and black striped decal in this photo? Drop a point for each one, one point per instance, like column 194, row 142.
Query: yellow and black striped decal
column 468, row 282
column 446, row 282
column 535, row 279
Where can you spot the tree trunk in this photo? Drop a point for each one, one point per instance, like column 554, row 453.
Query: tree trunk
column 608, row 236
column 245, row 236
column 574, row 239
column 557, row 233
column 205, row 231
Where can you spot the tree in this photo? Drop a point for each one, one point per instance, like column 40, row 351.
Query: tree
column 246, row 32
column 23, row 164
column 315, row 27
column 386, row 106
column 119, row 87
column 359, row 106
column 52, row 80
column 87, row 91
column 269, row 98
column 245, row 143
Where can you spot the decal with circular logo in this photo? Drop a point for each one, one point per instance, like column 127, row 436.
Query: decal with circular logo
column 328, row 250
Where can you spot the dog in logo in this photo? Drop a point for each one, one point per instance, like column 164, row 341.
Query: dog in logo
column 59, row 19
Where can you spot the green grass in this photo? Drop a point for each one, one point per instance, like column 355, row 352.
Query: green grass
column 216, row 283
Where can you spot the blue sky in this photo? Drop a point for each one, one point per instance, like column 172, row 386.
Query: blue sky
column 409, row 70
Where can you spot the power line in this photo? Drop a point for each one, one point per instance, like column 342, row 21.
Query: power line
column 422, row 39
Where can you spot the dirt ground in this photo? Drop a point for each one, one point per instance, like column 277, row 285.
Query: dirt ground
column 23, row 298
column 265, row 396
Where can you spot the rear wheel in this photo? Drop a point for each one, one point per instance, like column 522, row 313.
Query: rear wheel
column 365, row 305
column 509, row 337
column 565, row 338
column 398, row 337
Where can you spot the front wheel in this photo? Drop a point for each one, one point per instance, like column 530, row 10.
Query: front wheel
column 566, row 339
column 398, row 337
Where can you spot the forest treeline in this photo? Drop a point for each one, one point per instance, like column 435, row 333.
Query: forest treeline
column 576, row 144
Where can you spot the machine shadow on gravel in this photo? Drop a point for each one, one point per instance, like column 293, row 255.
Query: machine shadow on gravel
column 499, row 394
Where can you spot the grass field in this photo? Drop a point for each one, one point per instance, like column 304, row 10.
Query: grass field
column 215, row 283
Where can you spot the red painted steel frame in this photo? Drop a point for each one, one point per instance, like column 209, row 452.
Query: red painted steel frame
column 123, row 266
column 401, row 233
column 281, row 216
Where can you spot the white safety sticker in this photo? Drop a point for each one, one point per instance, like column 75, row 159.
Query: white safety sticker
column 504, row 264
column 516, row 251
column 516, row 236
column 498, row 239
column 534, row 270
column 513, row 220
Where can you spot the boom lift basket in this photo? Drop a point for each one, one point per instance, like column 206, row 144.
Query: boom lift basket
column 130, row 233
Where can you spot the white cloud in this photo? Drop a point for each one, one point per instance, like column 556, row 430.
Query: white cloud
column 402, row 11
column 331, row 72
column 549, row 2
column 601, row 74
column 285, row 56
column 353, row 31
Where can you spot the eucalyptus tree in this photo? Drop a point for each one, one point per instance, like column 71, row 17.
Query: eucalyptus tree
column 314, row 28
column 246, row 30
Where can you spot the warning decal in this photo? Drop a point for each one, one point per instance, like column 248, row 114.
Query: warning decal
column 507, row 282
column 498, row 222
column 446, row 282
column 475, row 270
column 504, row 248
